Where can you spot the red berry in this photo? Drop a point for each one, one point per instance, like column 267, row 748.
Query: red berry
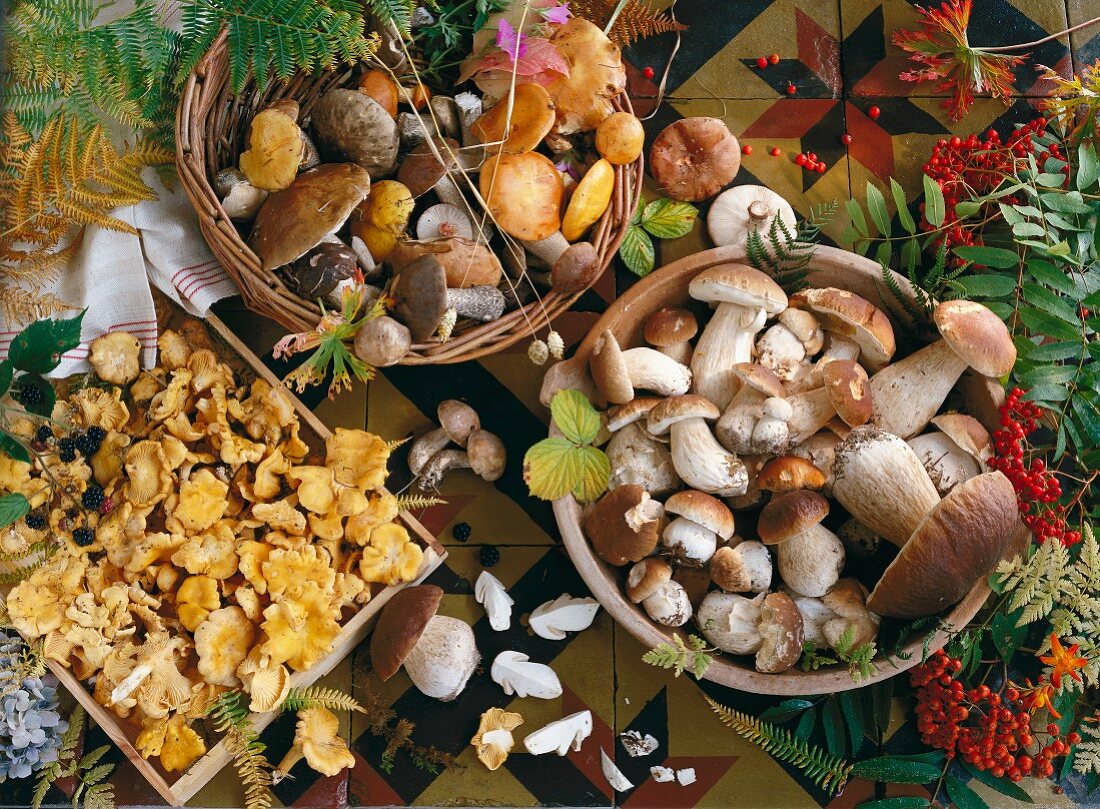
column 1074, row 738
column 874, row 112
column 846, row 139
column 820, row 168
column 791, row 89
column 647, row 72
column 774, row 58
column 776, row 151
column 800, row 160
column 811, row 157
column 1052, row 729
column 746, row 149
column 762, row 62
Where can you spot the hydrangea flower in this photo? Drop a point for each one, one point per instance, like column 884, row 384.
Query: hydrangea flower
column 30, row 726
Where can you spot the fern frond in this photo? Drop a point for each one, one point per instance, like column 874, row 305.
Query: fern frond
column 784, row 255
column 636, row 19
column 230, row 715
column 830, row 773
column 397, row 443
column 680, row 657
column 410, row 502
column 298, row 699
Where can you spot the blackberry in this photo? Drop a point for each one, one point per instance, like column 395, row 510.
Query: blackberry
column 66, row 450
column 90, row 442
column 43, row 434
column 461, row 531
column 36, row 521
column 489, row 556
column 30, row 396
column 92, row 498
column 96, row 434
column 84, row 537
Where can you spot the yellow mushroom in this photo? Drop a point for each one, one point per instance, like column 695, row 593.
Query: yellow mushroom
column 381, row 218
column 196, row 598
column 275, row 149
column 589, row 201
column 115, row 357
column 391, row 557
column 494, row 740
column 222, row 641
column 317, row 739
column 620, row 138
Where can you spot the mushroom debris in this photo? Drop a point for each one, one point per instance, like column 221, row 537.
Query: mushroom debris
column 795, row 409
column 381, row 172
column 219, row 546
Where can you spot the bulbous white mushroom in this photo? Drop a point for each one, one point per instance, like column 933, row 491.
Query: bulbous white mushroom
column 771, row 435
column 689, row 542
column 637, row 457
column 669, row 604
column 443, row 659
column 744, row 209
column 730, row 622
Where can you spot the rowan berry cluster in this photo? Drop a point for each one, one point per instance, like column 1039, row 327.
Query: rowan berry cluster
column 988, row 730
column 1037, row 488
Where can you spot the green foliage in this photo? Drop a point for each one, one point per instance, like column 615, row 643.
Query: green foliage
column 1086, row 758
column 298, row 699
column 828, row 772
column 661, row 218
column 557, row 466
column 444, row 43
column 91, row 792
column 785, row 256
column 230, row 715
column 679, row 656
column 859, row 658
column 408, row 501
column 895, row 770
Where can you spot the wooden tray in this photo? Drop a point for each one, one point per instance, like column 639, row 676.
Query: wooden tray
column 625, row 318
column 178, row 788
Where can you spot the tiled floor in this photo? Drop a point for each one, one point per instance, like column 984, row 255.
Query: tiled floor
column 838, row 56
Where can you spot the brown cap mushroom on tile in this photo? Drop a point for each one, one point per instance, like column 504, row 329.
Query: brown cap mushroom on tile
column 484, row 454
column 670, row 330
column 624, row 525
column 810, row 556
column 316, row 205
column 350, row 126
column 457, row 422
column 781, row 634
column 523, row 193
column 694, row 158
column 527, row 115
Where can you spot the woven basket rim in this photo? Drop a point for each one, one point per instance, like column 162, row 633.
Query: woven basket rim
column 208, row 108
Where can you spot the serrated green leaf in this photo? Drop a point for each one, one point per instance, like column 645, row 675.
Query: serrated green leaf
column 1042, row 323
column 1048, row 374
column 1010, row 214
column 1054, row 352
column 550, row 468
column 996, row 257
column 962, row 795
column 6, row 372
column 986, row 286
column 1002, row 785
column 834, row 727
column 1043, row 298
column 1088, row 167
column 904, row 217
column 876, row 206
column 1047, row 393
column 637, row 251
column 13, row 507
column 575, row 416
column 1065, row 202
column 967, row 208
column 1088, row 416
column 593, row 473
column 1024, row 230
column 859, row 221
column 38, row 348
column 900, row 802
column 1049, row 179
column 669, row 219
column 894, row 770
column 933, row 202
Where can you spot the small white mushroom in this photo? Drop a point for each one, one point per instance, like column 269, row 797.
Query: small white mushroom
column 690, row 543
column 638, row 745
column 560, row 736
column 780, row 350
column 729, row 621
column 771, row 435
column 669, row 604
column 734, row 428
column 442, row 221
column 810, row 556
column 848, row 599
column 815, row 615
column 514, row 672
column 469, row 110
column 744, row 209
column 686, row 776
column 742, row 568
column 489, row 592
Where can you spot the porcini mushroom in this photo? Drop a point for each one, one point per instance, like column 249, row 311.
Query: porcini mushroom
column 382, row 342
column 788, row 473
column 484, row 454
column 518, row 122
column 848, row 599
column 354, row 127
column 668, row 605
column 781, row 634
column 438, row 652
column 317, row 739
column 846, row 392
column 635, row 455
column 908, row 393
column 694, row 158
column 700, row 461
column 757, row 384
column 624, row 525
column 810, row 556
column 701, row 520
column 617, row 373
column 670, row 331
column 457, row 422
column 772, row 432
column 742, row 568
column 730, row 622
column 745, row 298
column 421, row 298
column 845, row 314
column 947, row 463
column 645, row 577
column 320, row 271
column 746, row 209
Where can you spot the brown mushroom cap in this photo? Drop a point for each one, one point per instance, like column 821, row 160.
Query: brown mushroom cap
column 789, row 515
column 694, row 158
column 576, row 268
column 849, row 391
column 670, row 326
column 788, row 473
column 609, row 371
column 968, row 433
column 645, row 577
column 634, row 410
column 695, row 581
column 977, row 335
column 419, row 291
column 400, row 626
column 466, row 262
column 616, row 529
column 959, row 541
column 487, row 455
column 679, row 408
column 295, row 220
column 421, row 170
column 582, row 99
column 532, row 117
column 782, row 629
column 351, row 126
column 702, row 508
column 846, row 313
column 739, row 284
column 523, row 193
column 761, row 378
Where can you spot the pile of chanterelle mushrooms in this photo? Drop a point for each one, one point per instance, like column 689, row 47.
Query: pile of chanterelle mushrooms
column 790, row 409
column 455, row 202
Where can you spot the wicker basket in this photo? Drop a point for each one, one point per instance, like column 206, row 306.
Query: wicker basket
column 211, row 125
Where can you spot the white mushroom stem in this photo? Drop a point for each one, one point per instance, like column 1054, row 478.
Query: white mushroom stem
column 649, row 369
column 947, row 463
column 425, row 447
column 726, row 341
column 571, row 373
column 689, row 542
column 637, row 457
column 810, row 562
column 772, row 433
column 734, row 429
column 443, row 659
column 811, row 411
column 432, row 474
column 549, row 249
column 906, row 395
column 704, row 464
column 780, row 350
column 815, row 615
column 469, row 110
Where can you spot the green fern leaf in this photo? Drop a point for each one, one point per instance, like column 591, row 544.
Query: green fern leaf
column 298, row 699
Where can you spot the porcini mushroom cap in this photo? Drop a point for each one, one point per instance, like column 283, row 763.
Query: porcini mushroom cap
column 400, row 626
column 458, row 420
column 624, row 525
column 487, row 455
column 680, row 408
column 958, row 542
column 742, row 568
column 382, row 341
column 977, row 335
column 670, row 326
column 352, row 126
column 421, row 169
column 788, row 473
column 702, row 508
column 846, row 313
column 419, row 291
column 523, row 193
column 634, row 410
column 295, row 220
column 609, row 371
column 532, row 116
column 790, row 514
column 759, row 378
column 738, row 284
column 781, row 631
column 645, row 577
column 849, row 391
column 575, row 269
column 694, row 158
column 968, row 433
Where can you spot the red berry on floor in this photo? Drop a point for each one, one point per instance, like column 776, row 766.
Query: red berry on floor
column 820, row 168
column 791, row 89
column 800, row 160
column 647, row 72
column 846, row 139
column 774, row 58
column 746, row 149
column 762, row 62
column 776, row 151
column 874, row 112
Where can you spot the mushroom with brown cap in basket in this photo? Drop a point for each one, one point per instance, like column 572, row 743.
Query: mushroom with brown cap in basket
column 352, row 126
column 700, row 461
column 908, row 393
column 742, row 568
column 319, row 272
column 781, row 634
column 853, row 321
column 484, row 454
column 466, row 263
column 731, row 622
column 457, row 422
column 694, row 158
column 516, row 123
column 624, row 525
column 746, row 209
column 421, row 298
column 438, row 652
column 670, row 331
column 745, row 298
column 810, row 556
column 433, row 166
column 583, row 98
column 757, row 384
column 617, row 373
column 382, row 342
column 846, row 392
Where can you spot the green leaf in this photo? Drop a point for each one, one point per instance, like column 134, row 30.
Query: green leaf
column 1010, row 214
column 894, row 770
column 900, row 802
column 834, row 727
column 38, row 348
column 806, row 724
column 876, row 206
column 1054, row 352
column 910, row 254
column 1046, row 273
column 883, row 698
column 906, row 218
column 1046, row 300
column 6, row 371
column 1047, row 393
column 1007, row 637
column 1029, row 229
column 1002, row 785
column 852, row 709
column 1065, row 202
column 996, row 257
column 1088, row 167
column 668, row 219
column 1042, row 323
column 962, row 795
column 967, row 208
column 13, row 507
column 46, row 398
column 883, row 253
column 787, row 709
column 859, row 221
column 1049, row 179
column 986, row 286
column 550, row 469
column 933, row 202
column 593, row 473
column 575, row 416
column 637, row 251
column 13, row 449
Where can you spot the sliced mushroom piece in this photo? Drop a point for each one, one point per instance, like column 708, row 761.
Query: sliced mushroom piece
column 908, row 393
column 746, row 209
column 670, row 331
column 743, row 568
column 700, row 461
column 731, row 622
column 617, row 373
column 757, row 384
column 846, row 314
column 745, row 298
column 810, row 556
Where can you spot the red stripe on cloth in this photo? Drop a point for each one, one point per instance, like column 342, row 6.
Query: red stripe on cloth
column 192, row 267
column 188, row 283
column 181, row 280
column 204, row 285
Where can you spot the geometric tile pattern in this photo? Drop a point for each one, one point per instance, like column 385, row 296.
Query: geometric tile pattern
column 838, row 56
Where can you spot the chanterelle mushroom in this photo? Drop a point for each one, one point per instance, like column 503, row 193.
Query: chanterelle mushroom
column 438, row 652
column 700, row 461
column 747, row 209
column 810, row 555
column 745, row 298
column 317, row 739
column 493, row 740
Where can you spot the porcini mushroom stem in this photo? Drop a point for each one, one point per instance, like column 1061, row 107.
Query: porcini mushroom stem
column 812, row 411
column 432, row 474
column 425, row 448
column 726, row 341
column 481, row 303
column 758, row 210
column 906, row 395
column 704, row 464
column 549, row 249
